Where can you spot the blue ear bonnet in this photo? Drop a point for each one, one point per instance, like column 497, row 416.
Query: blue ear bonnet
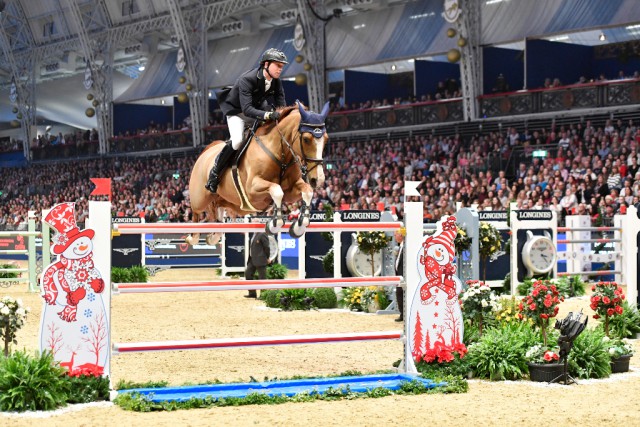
column 313, row 123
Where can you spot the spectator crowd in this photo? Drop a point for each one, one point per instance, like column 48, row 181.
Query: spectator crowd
column 591, row 169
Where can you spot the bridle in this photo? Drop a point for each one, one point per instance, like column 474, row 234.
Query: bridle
column 316, row 129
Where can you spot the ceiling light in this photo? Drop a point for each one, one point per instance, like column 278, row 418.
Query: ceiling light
column 162, row 101
column 141, row 68
column 393, row 67
column 602, row 37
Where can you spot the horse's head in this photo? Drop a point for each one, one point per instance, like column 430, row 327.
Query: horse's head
column 313, row 138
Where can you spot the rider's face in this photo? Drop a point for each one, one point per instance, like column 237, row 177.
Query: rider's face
column 275, row 68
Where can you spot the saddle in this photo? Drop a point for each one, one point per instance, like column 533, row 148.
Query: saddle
column 245, row 205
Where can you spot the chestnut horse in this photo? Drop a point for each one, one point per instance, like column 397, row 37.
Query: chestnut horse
column 282, row 163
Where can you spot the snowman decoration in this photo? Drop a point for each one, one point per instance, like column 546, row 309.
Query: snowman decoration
column 435, row 311
column 74, row 322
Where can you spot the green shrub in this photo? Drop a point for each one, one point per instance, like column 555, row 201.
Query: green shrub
column 139, row 274
column 500, row 352
column 271, row 297
column 589, row 357
column 120, row 275
column 325, row 298
column 87, row 388
column 625, row 325
column 8, row 274
column 277, row 271
column 31, row 383
column 135, row 274
column 296, row 299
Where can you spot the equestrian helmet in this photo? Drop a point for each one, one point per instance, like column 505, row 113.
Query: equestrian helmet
column 273, row 55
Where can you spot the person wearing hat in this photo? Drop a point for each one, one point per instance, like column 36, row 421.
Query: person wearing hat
column 399, row 265
column 251, row 98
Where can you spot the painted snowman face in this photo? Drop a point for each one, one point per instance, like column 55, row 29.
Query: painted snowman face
column 439, row 253
column 79, row 248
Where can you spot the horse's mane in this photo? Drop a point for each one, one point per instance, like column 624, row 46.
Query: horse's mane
column 267, row 127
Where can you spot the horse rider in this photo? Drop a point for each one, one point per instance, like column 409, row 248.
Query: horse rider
column 245, row 102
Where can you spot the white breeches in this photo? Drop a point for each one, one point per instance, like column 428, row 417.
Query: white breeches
column 236, row 129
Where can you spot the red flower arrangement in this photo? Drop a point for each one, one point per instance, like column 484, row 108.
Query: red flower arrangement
column 606, row 301
column 441, row 353
column 541, row 305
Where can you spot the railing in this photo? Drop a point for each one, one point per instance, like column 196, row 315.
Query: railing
column 579, row 96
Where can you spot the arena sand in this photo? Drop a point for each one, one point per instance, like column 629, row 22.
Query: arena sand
column 174, row 316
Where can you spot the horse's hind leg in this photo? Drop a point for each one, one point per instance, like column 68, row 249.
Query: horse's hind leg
column 192, row 239
column 214, row 238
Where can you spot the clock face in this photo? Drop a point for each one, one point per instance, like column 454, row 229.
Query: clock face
column 359, row 264
column 541, row 255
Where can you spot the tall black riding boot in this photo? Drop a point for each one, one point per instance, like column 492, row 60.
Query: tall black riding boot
column 221, row 163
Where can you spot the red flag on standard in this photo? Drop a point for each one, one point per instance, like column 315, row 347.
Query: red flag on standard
column 103, row 187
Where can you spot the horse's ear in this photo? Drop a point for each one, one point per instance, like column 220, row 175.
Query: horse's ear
column 325, row 110
column 303, row 114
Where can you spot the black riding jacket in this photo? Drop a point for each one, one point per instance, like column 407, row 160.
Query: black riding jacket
column 248, row 96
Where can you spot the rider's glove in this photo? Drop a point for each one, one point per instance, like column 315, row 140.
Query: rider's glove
column 272, row 115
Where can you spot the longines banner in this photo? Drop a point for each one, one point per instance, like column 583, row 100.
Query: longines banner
column 349, row 216
column 126, row 249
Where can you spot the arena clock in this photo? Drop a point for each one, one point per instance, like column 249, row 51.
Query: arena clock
column 359, row 263
column 539, row 254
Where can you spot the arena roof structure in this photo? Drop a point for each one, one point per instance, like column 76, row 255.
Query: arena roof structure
column 50, row 38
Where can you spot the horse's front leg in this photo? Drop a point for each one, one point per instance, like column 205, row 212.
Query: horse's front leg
column 258, row 186
column 299, row 226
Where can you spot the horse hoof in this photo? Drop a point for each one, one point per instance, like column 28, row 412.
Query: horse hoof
column 272, row 227
column 296, row 231
column 213, row 239
column 189, row 240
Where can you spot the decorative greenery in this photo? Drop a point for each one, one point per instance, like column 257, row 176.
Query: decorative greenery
column 490, row 243
column 327, row 262
column 8, row 274
column 542, row 355
column 617, row 347
column 627, row 324
column 135, row 274
column 364, row 298
column 444, row 361
column 462, row 242
column 370, row 243
column 277, row 271
column 541, row 305
column 31, row 383
column 478, row 301
column 12, row 317
column 328, row 217
column 325, row 298
column 589, row 357
column 606, row 301
column 508, row 311
column 143, row 403
column 87, row 385
column 500, row 353
column 296, row 299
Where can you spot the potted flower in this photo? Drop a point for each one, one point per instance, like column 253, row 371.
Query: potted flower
column 462, row 242
column 12, row 317
column 541, row 305
column 490, row 243
column 478, row 301
column 544, row 363
column 370, row 243
column 620, row 350
column 606, row 301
